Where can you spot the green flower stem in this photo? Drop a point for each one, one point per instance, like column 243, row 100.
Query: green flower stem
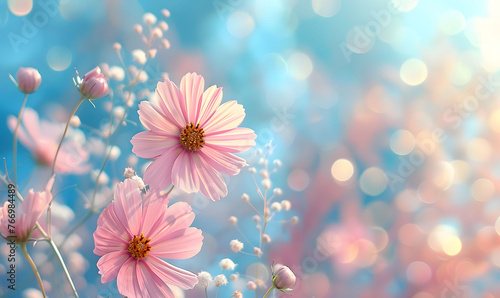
column 16, row 134
column 33, row 266
column 64, row 134
column 268, row 291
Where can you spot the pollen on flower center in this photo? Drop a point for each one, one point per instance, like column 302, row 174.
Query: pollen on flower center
column 192, row 137
column 139, row 247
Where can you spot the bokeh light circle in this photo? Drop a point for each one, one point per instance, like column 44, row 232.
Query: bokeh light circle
column 358, row 41
column 418, row 272
column 326, row 8
column 59, row 58
column 402, row 142
column 453, row 22
column 373, row 181
column 240, row 24
column 20, row 7
column 482, row 189
column 413, row 72
column 299, row 66
column 298, row 180
column 342, row 170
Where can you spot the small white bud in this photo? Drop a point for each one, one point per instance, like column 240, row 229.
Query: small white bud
column 114, row 153
column 251, row 286
column 165, row 43
column 266, row 238
column 277, row 191
column 116, row 73
column 227, row 264
column 277, row 163
column 256, row 218
column 165, row 12
column 152, row 53
column 237, row 294
column 252, row 170
column 149, row 18
column 119, row 112
column 204, row 279
column 266, row 183
column 75, row 121
column 138, row 180
column 132, row 160
column 262, row 161
column 139, row 56
column 294, row 220
column 264, row 174
column 157, row 33
column 286, row 205
column 117, row 46
column 245, row 198
column 163, row 25
column 276, row 206
column 233, row 220
column 220, row 280
column 138, row 29
column 129, row 172
column 236, row 245
column 257, row 251
column 234, row 276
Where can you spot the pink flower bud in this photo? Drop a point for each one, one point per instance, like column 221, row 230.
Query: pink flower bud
column 28, row 79
column 283, row 277
column 251, row 286
column 93, row 85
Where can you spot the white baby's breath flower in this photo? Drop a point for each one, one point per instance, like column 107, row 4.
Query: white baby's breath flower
column 236, row 245
column 204, row 279
column 149, row 18
column 220, row 280
column 139, row 56
column 227, row 264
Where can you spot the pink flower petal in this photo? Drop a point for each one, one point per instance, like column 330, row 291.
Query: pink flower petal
column 31, row 122
column 223, row 162
column 177, row 216
column 107, row 241
column 181, row 244
column 24, row 138
column 184, row 175
column 153, row 118
column 171, row 274
column 158, row 175
column 192, row 86
column 149, row 144
column 151, row 284
column 127, row 205
column 228, row 116
column 235, row 140
column 127, row 281
column 154, row 214
column 170, row 98
column 211, row 183
column 110, row 264
column 211, row 100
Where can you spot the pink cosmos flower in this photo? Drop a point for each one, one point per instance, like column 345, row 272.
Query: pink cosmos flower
column 134, row 234
column 42, row 139
column 34, row 204
column 191, row 137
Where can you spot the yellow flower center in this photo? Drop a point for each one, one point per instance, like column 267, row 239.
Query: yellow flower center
column 192, row 137
column 139, row 247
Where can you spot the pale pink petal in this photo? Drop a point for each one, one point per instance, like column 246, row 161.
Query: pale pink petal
column 177, row 216
column 4, row 219
column 221, row 161
column 170, row 98
column 228, row 116
column 72, row 159
column 235, row 140
column 211, row 184
column 158, row 175
column 192, row 86
column 153, row 118
column 171, row 274
column 154, row 213
column 110, row 264
column 212, row 98
column 152, row 285
column 24, row 138
column 127, row 281
column 181, row 244
column 184, row 175
column 31, row 123
column 127, row 205
column 107, row 241
column 149, row 144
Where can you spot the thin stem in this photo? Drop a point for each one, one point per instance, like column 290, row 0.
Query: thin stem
column 268, row 291
column 64, row 134
column 76, row 227
column 206, row 292
column 243, row 235
column 217, row 293
column 16, row 132
column 33, row 266
column 58, row 254
column 170, row 190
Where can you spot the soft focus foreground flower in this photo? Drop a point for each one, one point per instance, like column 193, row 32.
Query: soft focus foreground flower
column 191, row 137
column 283, row 278
column 93, row 85
column 28, row 79
column 42, row 139
column 34, row 204
column 204, row 279
column 133, row 235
